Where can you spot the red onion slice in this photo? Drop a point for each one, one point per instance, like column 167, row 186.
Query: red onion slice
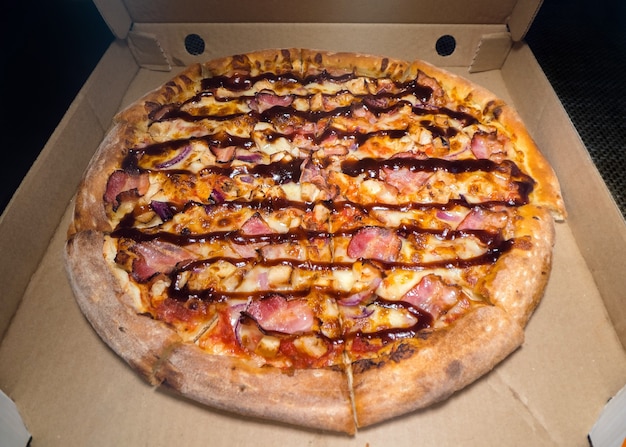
column 355, row 298
column 180, row 156
column 359, row 297
column 449, row 216
column 247, row 332
column 247, row 156
column 217, row 196
column 162, row 210
column 356, row 313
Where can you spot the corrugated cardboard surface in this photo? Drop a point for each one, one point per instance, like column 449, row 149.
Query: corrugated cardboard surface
column 221, row 39
column 72, row 390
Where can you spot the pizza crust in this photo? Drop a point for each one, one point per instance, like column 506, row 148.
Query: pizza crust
column 314, row 62
column 315, row 398
column 518, row 280
column 141, row 341
column 89, row 210
column 415, row 374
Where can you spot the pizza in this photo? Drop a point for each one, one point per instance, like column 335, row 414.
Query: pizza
column 324, row 239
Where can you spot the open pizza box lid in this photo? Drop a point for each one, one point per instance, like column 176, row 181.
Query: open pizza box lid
column 474, row 34
column 72, row 390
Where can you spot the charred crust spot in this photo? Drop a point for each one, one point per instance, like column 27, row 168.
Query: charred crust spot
column 121, row 329
column 454, row 369
column 318, row 58
column 240, row 62
column 286, row 54
column 497, row 112
column 151, row 106
column 242, row 388
column 494, row 108
column 384, row 64
column 402, row 352
column 423, row 335
column 289, row 372
column 361, row 366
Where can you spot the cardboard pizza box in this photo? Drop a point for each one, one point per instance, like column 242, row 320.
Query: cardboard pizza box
column 72, row 390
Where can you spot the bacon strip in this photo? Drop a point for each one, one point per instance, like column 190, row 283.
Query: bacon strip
column 122, row 181
column 278, row 314
column 266, row 99
column 223, row 154
column 481, row 219
column 156, row 257
column 377, row 243
column 405, row 180
column 432, row 295
column 255, row 226
column 485, row 145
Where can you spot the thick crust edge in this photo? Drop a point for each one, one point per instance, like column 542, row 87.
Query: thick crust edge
column 315, row 398
column 417, row 374
column 518, row 280
column 141, row 341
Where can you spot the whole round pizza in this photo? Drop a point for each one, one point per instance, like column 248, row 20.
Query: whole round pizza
column 324, row 239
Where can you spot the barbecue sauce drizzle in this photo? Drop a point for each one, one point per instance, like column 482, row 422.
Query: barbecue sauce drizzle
column 290, row 171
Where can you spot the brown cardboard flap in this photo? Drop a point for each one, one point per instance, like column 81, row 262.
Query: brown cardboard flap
column 410, row 41
column 521, row 18
column 35, row 209
column 147, row 50
column 517, row 14
column 491, row 52
column 322, row 11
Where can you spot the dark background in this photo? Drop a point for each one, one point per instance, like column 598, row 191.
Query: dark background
column 49, row 49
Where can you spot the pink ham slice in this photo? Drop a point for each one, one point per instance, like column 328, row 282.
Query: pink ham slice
column 480, row 219
column 377, row 243
column 277, row 314
column 312, row 173
column 223, row 154
column 266, row 99
column 121, row 181
column 486, row 145
column 255, row 226
column 405, row 180
column 156, row 257
column 432, row 295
